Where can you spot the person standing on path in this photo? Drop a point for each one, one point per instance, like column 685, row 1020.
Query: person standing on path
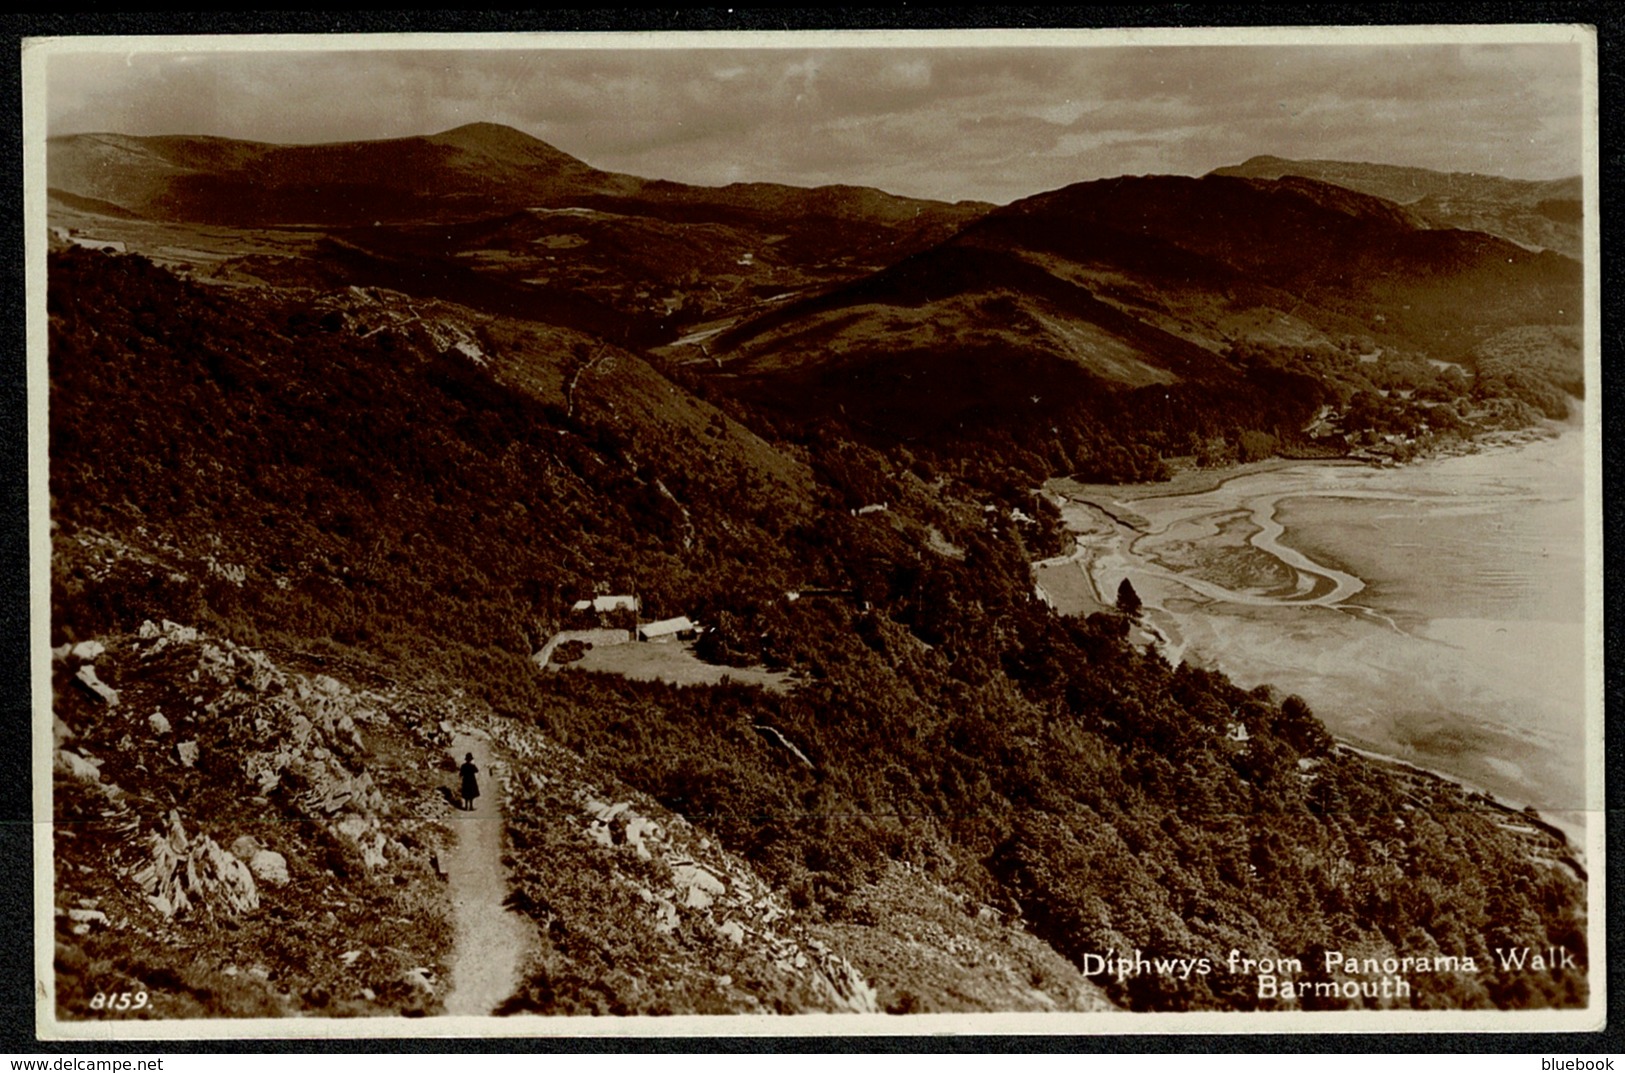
column 471, row 782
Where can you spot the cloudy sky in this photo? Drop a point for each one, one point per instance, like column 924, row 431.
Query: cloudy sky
column 973, row 116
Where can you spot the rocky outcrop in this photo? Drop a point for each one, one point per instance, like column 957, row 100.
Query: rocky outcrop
column 689, row 888
column 186, row 876
column 263, row 809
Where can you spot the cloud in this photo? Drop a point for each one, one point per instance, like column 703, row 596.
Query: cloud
column 952, row 122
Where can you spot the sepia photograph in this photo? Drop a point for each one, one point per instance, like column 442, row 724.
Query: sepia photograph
column 814, row 533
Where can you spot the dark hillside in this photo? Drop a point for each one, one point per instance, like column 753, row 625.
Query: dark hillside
column 419, row 490
column 1108, row 325
column 370, row 484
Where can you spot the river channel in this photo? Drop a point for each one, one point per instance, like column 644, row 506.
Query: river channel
column 1433, row 612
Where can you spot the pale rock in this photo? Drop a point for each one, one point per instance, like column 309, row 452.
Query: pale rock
column 609, row 812
column 372, row 852
column 696, row 877
column 269, row 866
column 159, row 724
column 76, row 766
column 61, row 653
column 60, row 731
column 187, row 752
column 87, row 677
column 184, row 635
column 81, row 929
column 733, row 931
column 328, row 684
column 245, row 847
column 640, row 827
column 349, row 957
column 88, row 650
column 420, row 979
column 148, row 631
column 183, row 874
column 353, row 826
column 87, row 916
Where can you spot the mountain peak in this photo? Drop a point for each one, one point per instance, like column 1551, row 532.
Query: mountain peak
column 489, row 137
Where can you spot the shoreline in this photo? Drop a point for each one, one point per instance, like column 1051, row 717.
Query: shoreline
column 1201, row 481
column 1568, row 834
column 1573, row 841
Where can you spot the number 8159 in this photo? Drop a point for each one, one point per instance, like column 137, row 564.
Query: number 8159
column 119, row 1000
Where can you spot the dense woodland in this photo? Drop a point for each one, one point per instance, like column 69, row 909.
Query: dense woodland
column 271, row 473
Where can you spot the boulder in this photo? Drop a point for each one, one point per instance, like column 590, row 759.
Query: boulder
column 638, row 829
column 353, row 826
column 76, row 766
column 420, row 979
column 87, row 916
column 86, row 677
column 187, row 753
column 372, row 852
column 88, row 650
column 184, row 875
column 61, row 653
column 245, row 847
column 698, row 886
column 183, row 635
column 270, row 867
column 159, row 724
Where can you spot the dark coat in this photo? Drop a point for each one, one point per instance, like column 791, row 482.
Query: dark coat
column 471, row 785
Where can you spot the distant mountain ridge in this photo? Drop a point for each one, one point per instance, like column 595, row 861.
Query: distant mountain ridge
column 473, row 170
column 504, row 220
column 468, row 170
column 1126, row 282
column 1535, row 213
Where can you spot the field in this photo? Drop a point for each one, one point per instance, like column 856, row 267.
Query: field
column 675, row 664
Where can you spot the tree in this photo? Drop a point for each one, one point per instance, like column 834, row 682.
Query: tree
column 1128, row 601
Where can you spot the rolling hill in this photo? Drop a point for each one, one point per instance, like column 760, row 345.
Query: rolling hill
column 487, row 215
column 1061, row 307
column 1538, row 214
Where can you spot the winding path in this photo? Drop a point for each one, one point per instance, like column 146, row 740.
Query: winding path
column 491, row 939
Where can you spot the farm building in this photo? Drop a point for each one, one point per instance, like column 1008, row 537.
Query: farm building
column 605, row 604
column 667, row 628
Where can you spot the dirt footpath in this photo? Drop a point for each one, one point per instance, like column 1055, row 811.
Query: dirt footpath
column 491, row 939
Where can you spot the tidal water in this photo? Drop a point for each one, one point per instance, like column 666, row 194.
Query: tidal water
column 1433, row 612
